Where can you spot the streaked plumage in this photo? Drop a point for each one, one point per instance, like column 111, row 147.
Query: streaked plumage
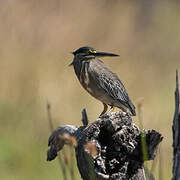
column 99, row 80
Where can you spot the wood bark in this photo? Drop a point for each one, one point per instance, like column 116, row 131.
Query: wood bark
column 176, row 134
column 109, row 148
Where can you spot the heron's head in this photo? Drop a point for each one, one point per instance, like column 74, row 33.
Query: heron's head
column 87, row 53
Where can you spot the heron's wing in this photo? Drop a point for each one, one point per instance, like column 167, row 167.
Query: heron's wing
column 114, row 87
column 111, row 84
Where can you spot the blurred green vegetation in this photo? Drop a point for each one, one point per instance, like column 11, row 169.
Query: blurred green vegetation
column 36, row 40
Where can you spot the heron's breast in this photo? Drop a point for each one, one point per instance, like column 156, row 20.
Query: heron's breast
column 84, row 77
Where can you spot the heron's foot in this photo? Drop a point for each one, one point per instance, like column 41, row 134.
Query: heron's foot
column 112, row 109
column 104, row 110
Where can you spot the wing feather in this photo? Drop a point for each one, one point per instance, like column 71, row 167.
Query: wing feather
column 114, row 88
column 111, row 84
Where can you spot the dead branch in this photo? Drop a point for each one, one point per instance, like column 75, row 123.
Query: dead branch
column 176, row 134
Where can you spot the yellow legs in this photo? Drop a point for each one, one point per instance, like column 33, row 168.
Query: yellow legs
column 105, row 109
column 112, row 108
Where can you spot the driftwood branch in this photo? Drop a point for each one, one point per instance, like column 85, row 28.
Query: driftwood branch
column 176, row 134
column 109, row 148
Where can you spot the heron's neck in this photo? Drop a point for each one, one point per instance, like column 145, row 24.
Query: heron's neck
column 79, row 64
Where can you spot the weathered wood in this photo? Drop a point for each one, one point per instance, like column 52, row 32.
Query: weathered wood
column 84, row 117
column 114, row 151
column 57, row 140
column 176, row 134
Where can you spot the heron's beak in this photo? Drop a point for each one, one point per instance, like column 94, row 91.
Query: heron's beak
column 103, row 54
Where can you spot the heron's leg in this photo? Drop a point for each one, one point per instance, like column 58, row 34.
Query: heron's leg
column 105, row 109
column 112, row 109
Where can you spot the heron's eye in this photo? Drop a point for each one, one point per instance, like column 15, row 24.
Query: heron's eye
column 92, row 51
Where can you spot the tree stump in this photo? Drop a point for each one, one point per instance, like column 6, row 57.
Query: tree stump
column 109, row 148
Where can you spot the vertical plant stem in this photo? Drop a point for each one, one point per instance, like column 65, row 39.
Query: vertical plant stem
column 62, row 165
column 91, row 169
column 72, row 163
column 160, row 165
column 143, row 139
column 50, row 117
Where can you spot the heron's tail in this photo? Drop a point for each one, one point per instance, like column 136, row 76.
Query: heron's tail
column 132, row 108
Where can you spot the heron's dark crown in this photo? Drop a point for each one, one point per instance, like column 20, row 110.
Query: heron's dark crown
column 86, row 50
